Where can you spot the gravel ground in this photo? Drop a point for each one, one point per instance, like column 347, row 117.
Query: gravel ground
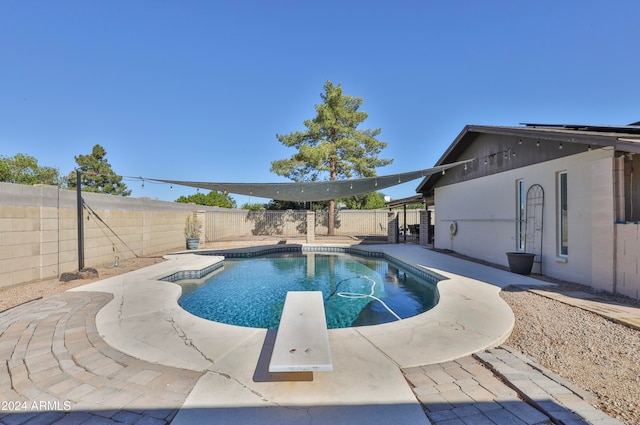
column 594, row 353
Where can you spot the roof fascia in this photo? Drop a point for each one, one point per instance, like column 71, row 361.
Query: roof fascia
column 619, row 141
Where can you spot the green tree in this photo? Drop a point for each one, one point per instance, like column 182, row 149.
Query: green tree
column 276, row 205
column 212, row 199
column 97, row 175
column 252, row 207
column 24, row 169
column 332, row 147
column 366, row 201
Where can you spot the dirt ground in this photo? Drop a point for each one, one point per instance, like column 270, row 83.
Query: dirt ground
column 19, row 294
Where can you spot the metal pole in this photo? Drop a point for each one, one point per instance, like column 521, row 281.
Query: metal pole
column 80, row 221
column 404, row 225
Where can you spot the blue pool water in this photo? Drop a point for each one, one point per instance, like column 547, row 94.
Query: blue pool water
column 357, row 291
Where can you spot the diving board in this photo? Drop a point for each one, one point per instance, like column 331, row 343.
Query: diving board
column 302, row 340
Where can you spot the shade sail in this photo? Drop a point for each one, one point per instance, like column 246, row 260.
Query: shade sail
column 315, row 191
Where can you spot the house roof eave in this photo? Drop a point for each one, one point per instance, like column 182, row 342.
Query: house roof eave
column 620, row 141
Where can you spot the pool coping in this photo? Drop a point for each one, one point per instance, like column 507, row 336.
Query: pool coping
column 145, row 321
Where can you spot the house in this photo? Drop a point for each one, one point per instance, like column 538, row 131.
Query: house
column 568, row 193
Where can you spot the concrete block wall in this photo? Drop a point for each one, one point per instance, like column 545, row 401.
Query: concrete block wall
column 627, row 267
column 360, row 222
column 392, row 227
column 39, row 236
column 425, row 223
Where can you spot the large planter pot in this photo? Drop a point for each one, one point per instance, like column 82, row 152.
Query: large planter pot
column 193, row 243
column 520, row 262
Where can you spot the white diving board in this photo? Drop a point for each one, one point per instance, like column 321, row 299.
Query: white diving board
column 302, row 340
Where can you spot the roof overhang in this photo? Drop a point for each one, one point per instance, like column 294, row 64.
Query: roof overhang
column 624, row 139
column 411, row 200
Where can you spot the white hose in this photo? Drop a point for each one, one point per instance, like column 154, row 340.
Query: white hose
column 353, row 295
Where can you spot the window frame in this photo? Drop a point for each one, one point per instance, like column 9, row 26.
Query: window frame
column 521, row 200
column 562, row 214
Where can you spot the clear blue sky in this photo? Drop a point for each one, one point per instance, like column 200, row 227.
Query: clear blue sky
column 197, row 90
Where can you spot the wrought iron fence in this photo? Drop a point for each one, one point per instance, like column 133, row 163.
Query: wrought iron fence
column 361, row 224
column 225, row 224
column 409, row 226
column 232, row 224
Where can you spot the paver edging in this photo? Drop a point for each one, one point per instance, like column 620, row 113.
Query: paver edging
column 560, row 418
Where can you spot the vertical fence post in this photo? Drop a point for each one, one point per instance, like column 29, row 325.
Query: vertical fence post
column 392, row 228
column 423, row 233
column 80, row 220
column 311, row 226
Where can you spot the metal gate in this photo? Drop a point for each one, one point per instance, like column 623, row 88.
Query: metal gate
column 533, row 224
column 409, row 226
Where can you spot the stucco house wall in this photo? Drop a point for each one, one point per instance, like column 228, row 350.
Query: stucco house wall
column 485, row 210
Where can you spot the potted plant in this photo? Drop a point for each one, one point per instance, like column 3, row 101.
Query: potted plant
column 520, row 262
column 192, row 229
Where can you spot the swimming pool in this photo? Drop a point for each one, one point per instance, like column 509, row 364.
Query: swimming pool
column 357, row 290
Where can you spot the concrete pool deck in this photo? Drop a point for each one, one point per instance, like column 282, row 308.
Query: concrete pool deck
column 143, row 355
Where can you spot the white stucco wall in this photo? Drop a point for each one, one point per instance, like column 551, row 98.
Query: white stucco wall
column 485, row 210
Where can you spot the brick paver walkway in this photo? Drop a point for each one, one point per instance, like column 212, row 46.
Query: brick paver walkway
column 499, row 387
column 465, row 392
column 57, row 369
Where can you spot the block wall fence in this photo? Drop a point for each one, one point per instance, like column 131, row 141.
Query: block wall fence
column 39, row 236
column 39, row 231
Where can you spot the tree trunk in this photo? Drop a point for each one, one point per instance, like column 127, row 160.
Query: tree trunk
column 333, row 174
column 331, row 225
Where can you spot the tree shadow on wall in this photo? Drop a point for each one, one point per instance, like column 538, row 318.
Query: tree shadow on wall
column 267, row 222
column 322, row 220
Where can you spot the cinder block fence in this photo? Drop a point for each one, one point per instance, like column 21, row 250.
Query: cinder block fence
column 39, row 228
column 39, row 237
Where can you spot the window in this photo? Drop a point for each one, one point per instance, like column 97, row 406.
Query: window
column 563, row 219
column 520, row 215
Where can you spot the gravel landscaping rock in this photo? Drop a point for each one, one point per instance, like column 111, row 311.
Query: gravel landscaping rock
column 594, row 353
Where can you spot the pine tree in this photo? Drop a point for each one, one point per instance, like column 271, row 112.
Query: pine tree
column 332, row 147
column 96, row 174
